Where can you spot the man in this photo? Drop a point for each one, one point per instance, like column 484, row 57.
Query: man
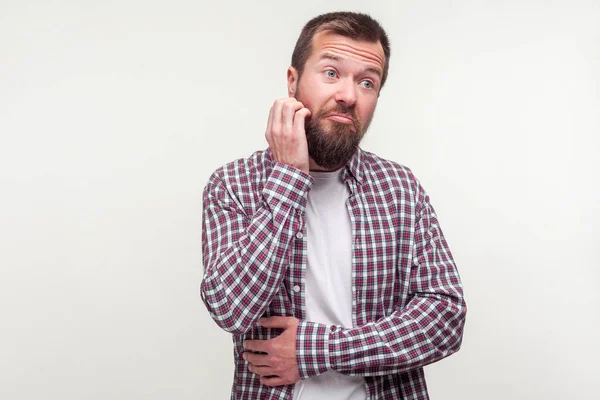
column 326, row 262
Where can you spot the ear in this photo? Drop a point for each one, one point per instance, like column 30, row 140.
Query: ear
column 292, row 81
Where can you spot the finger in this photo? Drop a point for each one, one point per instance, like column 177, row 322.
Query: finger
column 255, row 345
column 299, row 120
column 261, row 370
column 275, row 322
column 269, row 125
column 256, row 359
column 274, row 381
column 289, row 110
column 276, row 119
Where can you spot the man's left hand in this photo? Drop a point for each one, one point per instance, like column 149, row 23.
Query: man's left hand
column 279, row 366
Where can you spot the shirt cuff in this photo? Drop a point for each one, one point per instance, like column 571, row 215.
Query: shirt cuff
column 312, row 348
column 287, row 184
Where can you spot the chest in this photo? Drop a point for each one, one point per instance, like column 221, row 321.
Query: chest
column 376, row 228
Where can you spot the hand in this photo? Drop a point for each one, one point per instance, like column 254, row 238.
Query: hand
column 285, row 133
column 279, row 366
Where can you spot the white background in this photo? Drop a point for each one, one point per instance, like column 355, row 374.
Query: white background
column 114, row 113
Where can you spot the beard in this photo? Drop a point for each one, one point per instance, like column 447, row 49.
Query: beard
column 332, row 147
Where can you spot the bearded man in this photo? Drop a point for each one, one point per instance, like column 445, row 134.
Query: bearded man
column 326, row 262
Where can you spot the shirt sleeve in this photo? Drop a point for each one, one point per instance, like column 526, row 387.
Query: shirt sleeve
column 427, row 329
column 246, row 257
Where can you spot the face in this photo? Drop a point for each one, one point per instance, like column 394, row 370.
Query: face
column 340, row 86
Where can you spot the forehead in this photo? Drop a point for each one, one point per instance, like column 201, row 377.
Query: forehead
column 328, row 42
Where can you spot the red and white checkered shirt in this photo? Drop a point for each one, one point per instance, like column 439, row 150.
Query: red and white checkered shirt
column 407, row 297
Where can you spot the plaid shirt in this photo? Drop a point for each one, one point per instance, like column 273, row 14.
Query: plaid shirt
column 408, row 306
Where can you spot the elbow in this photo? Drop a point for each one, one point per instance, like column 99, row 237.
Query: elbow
column 456, row 325
column 224, row 313
column 229, row 324
column 448, row 334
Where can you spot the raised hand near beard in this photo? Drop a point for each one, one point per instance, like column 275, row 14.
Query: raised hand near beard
column 285, row 133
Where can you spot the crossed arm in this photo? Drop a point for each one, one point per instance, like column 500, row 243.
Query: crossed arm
column 245, row 262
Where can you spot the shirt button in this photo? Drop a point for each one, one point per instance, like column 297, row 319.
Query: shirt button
column 296, row 288
column 332, row 328
column 299, row 235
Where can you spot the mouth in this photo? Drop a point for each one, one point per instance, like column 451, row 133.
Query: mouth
column 341, row 118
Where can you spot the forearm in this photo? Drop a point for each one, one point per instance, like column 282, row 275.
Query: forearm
column 241, row 282
column 428, row 329
column 245, row 258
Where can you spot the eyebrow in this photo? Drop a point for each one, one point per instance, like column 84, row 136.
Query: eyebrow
column 330, row 56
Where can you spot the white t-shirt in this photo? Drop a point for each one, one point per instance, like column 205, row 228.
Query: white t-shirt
column 329, row 279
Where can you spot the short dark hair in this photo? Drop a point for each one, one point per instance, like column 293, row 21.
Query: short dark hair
column 356, row 26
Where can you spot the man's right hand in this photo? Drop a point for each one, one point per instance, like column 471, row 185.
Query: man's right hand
column 285, row 133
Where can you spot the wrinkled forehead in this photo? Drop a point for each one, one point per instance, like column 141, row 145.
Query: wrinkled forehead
column 329, row 42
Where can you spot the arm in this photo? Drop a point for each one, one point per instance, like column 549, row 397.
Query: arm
column 426, row 330
column 246, row 257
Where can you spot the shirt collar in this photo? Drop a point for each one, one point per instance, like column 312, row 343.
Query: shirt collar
column 355, row 167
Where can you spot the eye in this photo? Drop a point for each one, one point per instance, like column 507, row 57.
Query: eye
column 367, row 84
column 331, row 73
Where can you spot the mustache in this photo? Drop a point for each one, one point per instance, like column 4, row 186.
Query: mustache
column 337, row 109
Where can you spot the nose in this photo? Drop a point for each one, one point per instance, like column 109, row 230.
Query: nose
column 346, row 92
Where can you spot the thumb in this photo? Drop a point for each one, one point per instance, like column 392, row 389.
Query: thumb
column 275, row 322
